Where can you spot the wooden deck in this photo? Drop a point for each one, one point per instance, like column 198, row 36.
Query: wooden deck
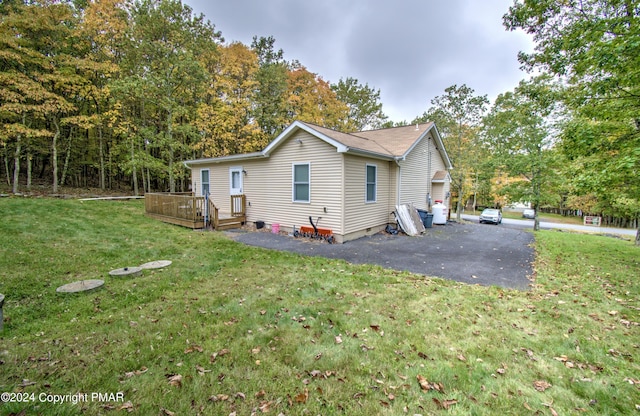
column 191, row 211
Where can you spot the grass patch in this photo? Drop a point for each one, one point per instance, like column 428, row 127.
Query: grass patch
column 545, row 217
column 231, row 328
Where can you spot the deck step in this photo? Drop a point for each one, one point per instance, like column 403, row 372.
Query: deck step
column 229, row 223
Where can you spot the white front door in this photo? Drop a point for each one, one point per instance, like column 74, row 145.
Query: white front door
column 235, row 181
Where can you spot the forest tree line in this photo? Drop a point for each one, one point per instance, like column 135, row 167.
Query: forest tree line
column 101, row 93
column 114, row 94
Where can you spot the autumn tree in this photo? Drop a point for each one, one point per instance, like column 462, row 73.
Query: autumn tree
column 227, row 118
column 519, row 128
column 594, row 46
column 311, row 99
column 41, row 80
column 365, row 108
column 161, row 81
column 103, row 29
column 270, row 99
column 458, row 114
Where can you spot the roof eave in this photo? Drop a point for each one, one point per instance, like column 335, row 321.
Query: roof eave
column 361, row 152
column 221, row 159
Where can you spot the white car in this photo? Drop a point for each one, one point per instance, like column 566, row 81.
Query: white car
column 491, row 215
column 529, row 213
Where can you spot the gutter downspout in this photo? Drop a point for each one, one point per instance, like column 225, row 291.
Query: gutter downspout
column 399, row 179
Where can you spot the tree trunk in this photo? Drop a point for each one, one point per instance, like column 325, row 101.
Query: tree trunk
column 16, row 165
column 29, row 166
column 6, row 166
column 172, row 180
column 54, row 155
column 134, row 172
column 66, row 159
column 101, row 149
column 638, row 236
column 459, row 204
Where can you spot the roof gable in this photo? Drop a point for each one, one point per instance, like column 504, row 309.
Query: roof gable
column 390, row 143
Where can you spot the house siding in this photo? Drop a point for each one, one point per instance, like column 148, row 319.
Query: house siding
column 337, row 182
column 267, row 184
column 359, row 214
column 414, row 175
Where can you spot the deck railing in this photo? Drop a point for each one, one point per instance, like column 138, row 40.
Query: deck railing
column 177, row 208
column 189, row 210
column 238, row 205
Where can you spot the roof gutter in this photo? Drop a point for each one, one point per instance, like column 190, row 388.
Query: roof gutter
column 361, row 152
column 231, row 158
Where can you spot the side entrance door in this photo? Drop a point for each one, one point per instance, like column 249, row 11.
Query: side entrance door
column 235, row 188
column 235, row 181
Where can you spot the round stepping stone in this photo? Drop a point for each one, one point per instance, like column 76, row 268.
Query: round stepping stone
column 80, row 286
column 126, row 271
column 158, row 264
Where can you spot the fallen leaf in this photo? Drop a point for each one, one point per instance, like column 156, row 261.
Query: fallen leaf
column 260, row 394
column 318, row 356
column 128, row 406
column 240, row 395
column 302, row 397
column 530, row 354
column 632, row 381
column 338, row 339
column 175, row 380
column 427, row 385
column 219, row 398
column 445, row 404
column 255, row 350
column 130, row 374
column 201, row 371
column 595, row 317
column 220, row 353
column 265, row 407
column 166, row 412
column 541, row 385
column 462, row 357
column 193, row 348
column 375, row 327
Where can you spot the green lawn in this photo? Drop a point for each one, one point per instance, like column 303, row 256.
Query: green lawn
column 229, row 328
column 543, row 216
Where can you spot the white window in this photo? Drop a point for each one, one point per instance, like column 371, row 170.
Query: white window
column 372, row 181
column 204, row 181
column 302, row 182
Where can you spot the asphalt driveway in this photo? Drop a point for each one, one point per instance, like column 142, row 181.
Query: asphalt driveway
column 487, row 255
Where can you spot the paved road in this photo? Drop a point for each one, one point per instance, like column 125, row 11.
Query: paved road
column 528, row 224
column 466, row 252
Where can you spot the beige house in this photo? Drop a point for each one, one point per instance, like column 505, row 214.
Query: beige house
column 351, row 181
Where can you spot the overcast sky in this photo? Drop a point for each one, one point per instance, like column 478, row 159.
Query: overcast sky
column 410, row 50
